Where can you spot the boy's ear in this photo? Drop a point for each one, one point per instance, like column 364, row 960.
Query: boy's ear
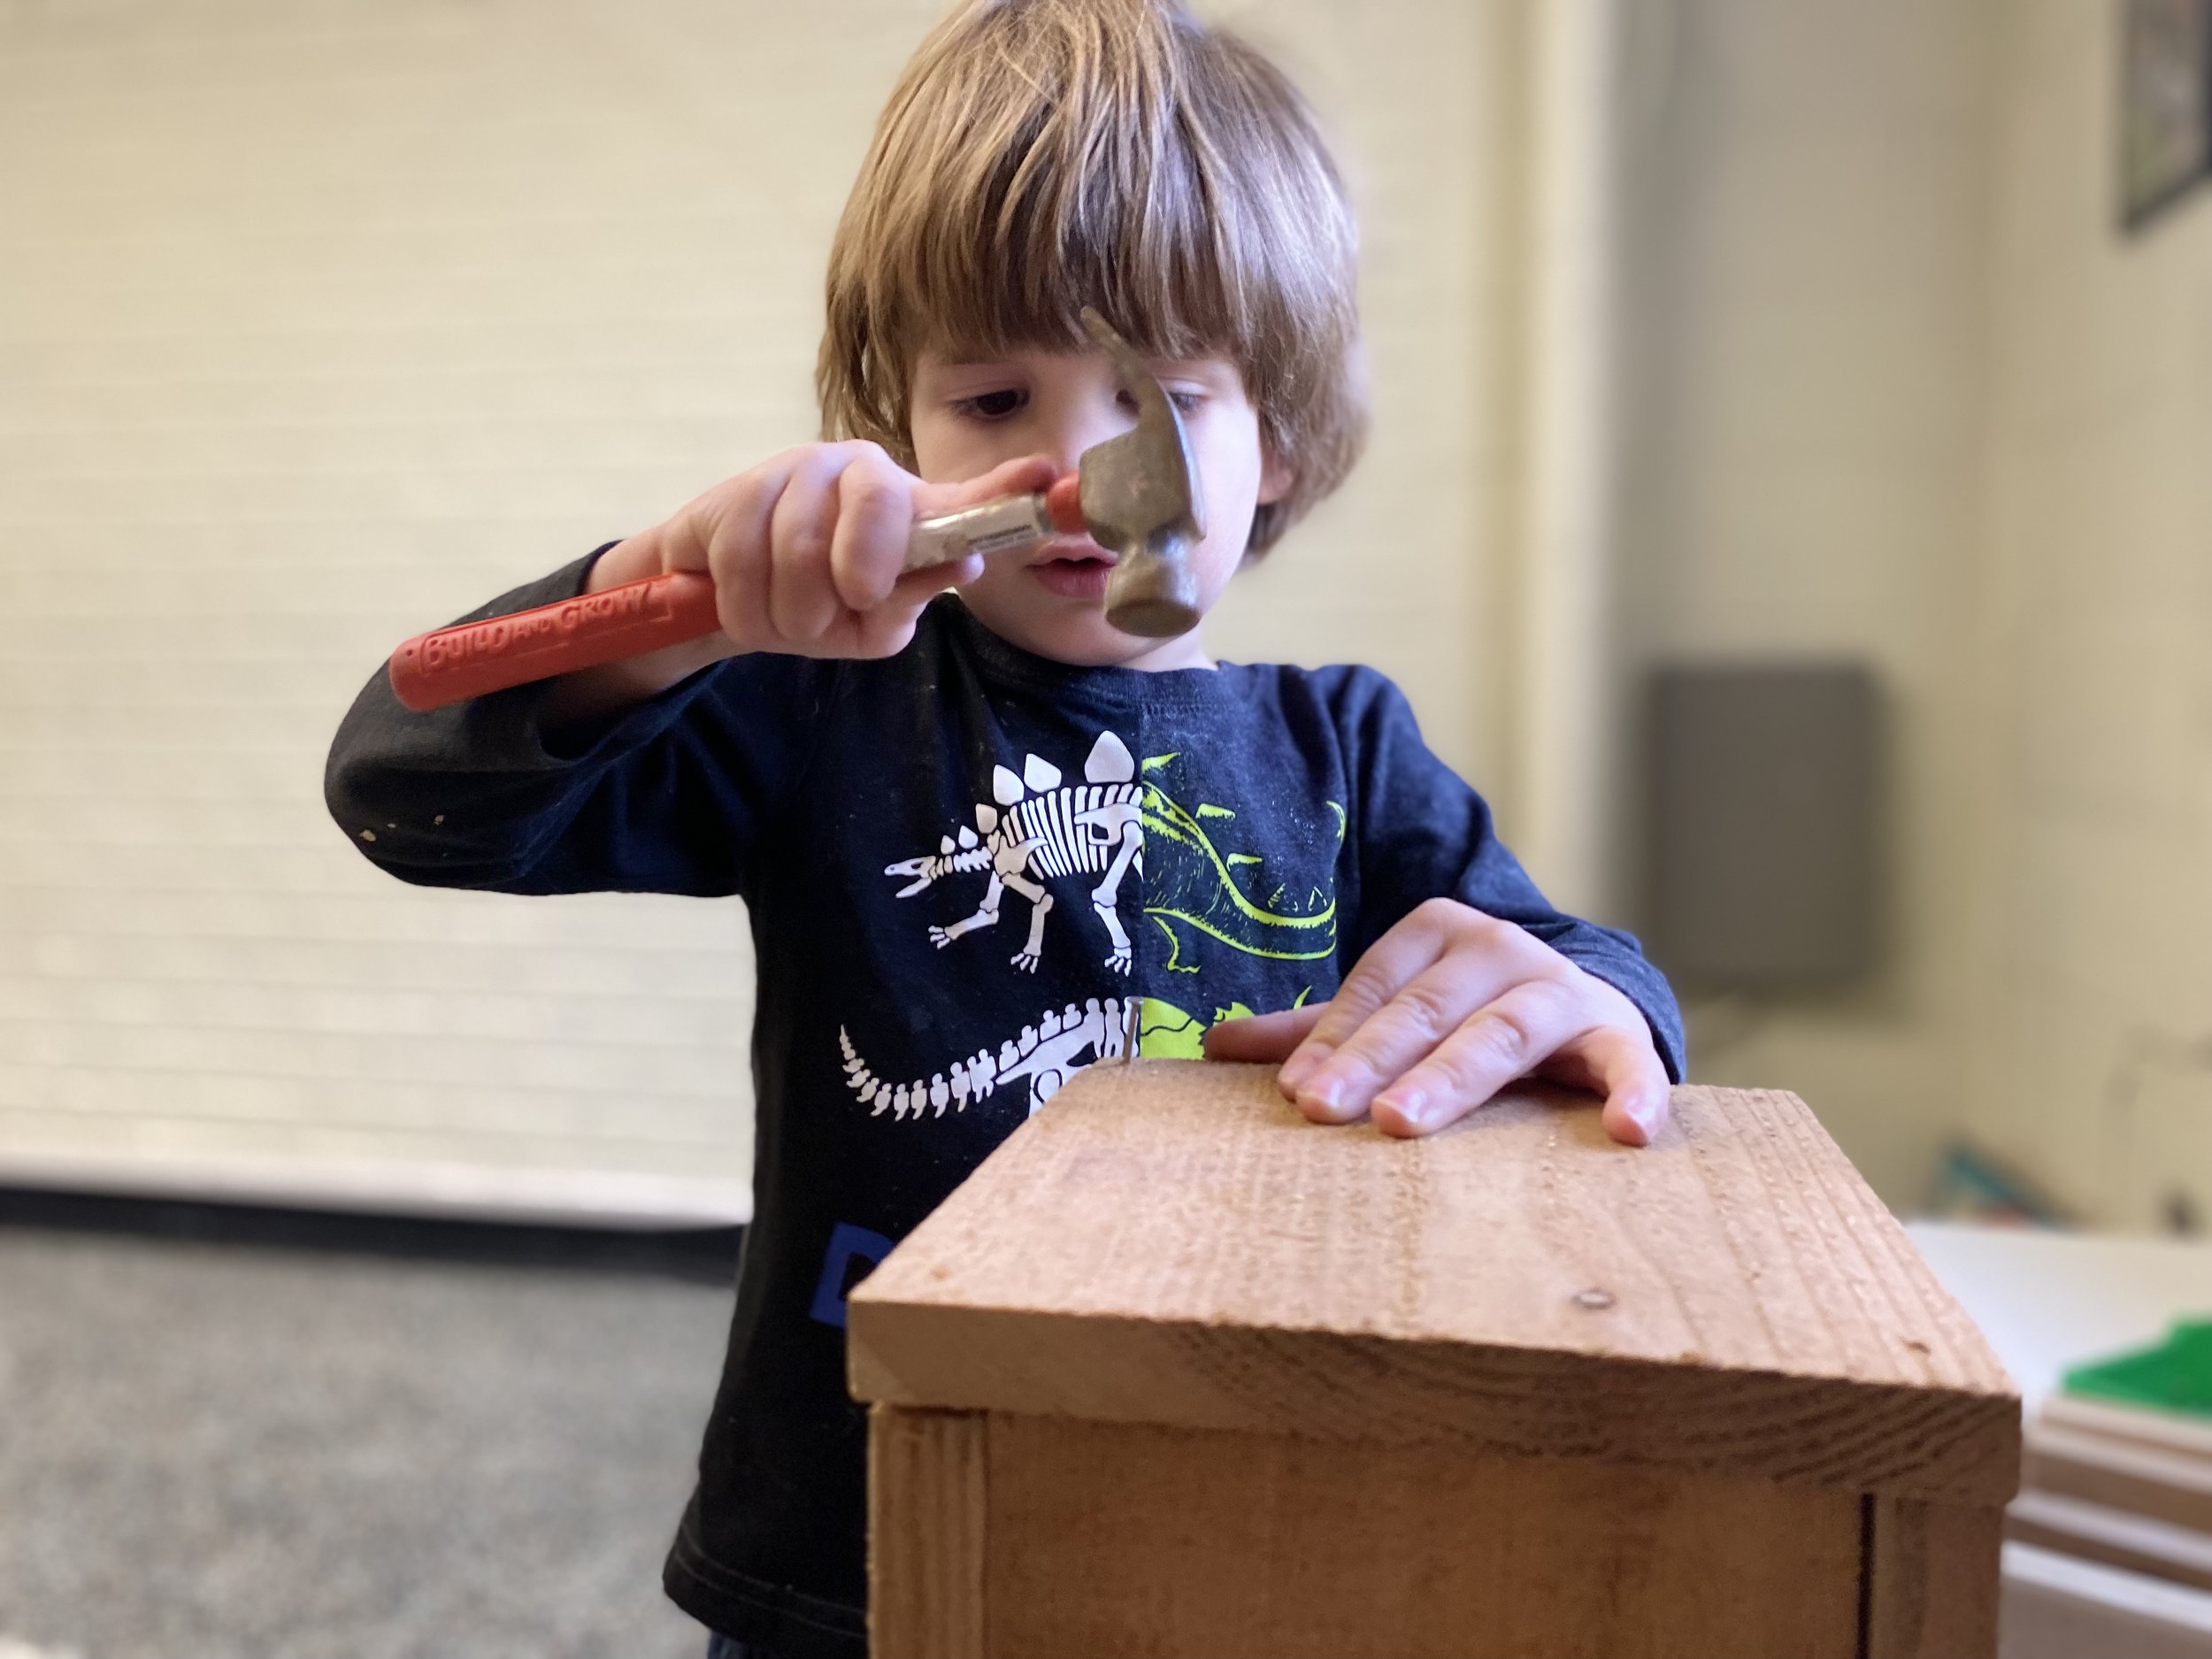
column 1276, row 478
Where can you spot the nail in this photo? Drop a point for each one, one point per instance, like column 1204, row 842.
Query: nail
column 1328, row 1095
column 1299, row 1067
column 1412, row 1105
column 1649, row 1115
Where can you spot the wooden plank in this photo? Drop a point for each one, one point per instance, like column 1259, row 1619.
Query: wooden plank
column 1170, row 1243
column 2096, row 1531
column 2057, row 1606
column 1931, row 1589
column 2140, row 1479
column 2168, row 1431
column 1115, row 1538
column 926, row 1534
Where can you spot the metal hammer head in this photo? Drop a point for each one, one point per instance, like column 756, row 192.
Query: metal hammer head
column 1140, row 497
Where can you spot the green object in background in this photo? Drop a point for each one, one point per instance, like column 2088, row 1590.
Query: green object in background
column 2175, row 1376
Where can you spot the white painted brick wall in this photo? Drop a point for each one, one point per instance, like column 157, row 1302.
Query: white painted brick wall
column 2094, row 896
column 322, row 322
column 1805, row 303
column 1911, row 395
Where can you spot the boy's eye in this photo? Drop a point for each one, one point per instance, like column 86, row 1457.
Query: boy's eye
column 992, row 405
column 1186, row 402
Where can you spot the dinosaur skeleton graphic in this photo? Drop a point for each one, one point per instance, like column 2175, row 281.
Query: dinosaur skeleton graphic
column 1048, row 1053
column 1039, row 829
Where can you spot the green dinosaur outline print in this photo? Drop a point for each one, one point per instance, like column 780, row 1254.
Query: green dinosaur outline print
column 1167, row 818
column 1174, row 962
column 1165, row 1031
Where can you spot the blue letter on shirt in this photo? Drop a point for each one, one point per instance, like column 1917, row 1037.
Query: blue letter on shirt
column 846, row 1242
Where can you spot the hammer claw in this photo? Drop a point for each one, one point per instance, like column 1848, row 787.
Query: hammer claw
column 1140, row 496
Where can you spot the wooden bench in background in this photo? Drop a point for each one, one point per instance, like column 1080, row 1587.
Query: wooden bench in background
column 1177, row 1373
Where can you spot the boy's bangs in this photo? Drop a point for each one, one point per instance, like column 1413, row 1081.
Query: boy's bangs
column 1019, row 239
column 1040, row 156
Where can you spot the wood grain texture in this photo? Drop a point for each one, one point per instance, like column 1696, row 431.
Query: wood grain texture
column 1170, row 1243
column 926, row 1534
column 1933, row 1580
column 1115, row 1539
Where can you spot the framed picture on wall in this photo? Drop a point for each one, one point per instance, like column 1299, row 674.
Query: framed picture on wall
column 2166, row 105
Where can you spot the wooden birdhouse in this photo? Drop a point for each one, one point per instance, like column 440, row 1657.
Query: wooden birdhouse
column 1179, row 1373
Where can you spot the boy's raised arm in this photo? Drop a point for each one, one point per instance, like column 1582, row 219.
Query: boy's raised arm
column 649, row 774
column 666, row 795
column 808, row 555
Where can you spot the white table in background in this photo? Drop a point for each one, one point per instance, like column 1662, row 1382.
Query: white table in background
column 2048, row 1300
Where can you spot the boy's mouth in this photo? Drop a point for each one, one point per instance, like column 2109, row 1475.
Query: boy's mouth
column 1073, row 567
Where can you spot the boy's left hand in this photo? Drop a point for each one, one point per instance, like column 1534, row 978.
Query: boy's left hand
column 1443, row 1011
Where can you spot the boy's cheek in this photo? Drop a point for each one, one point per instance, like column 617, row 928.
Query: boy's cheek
column 947, row 456
column 949, row 448
column 1221, row 555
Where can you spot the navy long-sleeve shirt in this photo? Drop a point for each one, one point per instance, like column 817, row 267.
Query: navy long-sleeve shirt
column 971, row 872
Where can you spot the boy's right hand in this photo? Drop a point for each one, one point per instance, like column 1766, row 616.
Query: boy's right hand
column 808, row 554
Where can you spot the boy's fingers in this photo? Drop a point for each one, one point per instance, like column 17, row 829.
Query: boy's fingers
column 1414, row 1076
column 1388, row 964
column 1615, row 1058
column 917, row 588
column 1626, row 1068
column 1501, row 1041
column 875, row 518
column 802, row 601
column 1490, row 953
column 737, row 553
column 1018, row 477
column 881, row 630
column 1400, row 1034
column 1264, row 1038
column 878, row 503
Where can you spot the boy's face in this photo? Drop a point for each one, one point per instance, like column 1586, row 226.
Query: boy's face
column 969, row 414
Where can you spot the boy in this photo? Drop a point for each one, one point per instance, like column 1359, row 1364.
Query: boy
column 987, row 841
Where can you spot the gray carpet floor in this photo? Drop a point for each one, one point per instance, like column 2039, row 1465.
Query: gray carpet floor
column 209, row 1451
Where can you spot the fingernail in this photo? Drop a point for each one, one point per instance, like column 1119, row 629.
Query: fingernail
column 1649, row 1115
column 1412, row 1105
column 1298, row 1068
column 1328, row 1094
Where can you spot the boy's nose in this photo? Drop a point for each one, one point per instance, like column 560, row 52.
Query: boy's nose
column 1082, row 424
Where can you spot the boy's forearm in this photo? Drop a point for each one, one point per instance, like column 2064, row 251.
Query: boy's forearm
column 482, row 793
column 594, row 693
column 450, row 797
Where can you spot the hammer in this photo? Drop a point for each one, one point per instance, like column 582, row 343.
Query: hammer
column 1136, row 495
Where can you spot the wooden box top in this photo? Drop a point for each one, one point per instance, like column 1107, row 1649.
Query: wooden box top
column 1170, row 1242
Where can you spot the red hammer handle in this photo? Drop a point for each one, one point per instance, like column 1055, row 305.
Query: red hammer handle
column 472, row 658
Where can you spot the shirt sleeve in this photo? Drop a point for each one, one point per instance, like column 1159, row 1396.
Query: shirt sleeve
column 1423, row 831
column 674, row 794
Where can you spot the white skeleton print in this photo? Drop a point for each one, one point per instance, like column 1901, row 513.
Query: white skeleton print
column 1046, row 1054
column 1040, row 829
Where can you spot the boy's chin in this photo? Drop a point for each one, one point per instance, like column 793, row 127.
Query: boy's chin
column 1067, row 631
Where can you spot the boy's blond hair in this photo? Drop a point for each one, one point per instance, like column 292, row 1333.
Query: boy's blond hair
column 1041, row 155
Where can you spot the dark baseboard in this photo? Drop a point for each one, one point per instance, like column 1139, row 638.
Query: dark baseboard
column 698, row 1255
